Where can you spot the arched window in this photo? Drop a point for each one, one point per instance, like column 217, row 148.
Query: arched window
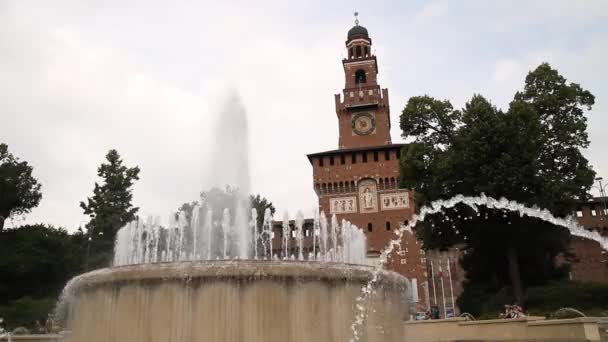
column 358, row 49
column 360, row 76
column 341, row 186
column 388, row 226
column 350, row 53
column 366, row 51
column 370, row 227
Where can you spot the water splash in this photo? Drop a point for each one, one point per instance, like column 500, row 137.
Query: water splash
column 200, row 238
column 474, row 203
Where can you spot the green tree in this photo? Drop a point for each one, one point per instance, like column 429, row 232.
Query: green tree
column 530, row 153
column 217, row 199
column 110, row 207
column 19, row 190
column 36, row 261
column 260, row 204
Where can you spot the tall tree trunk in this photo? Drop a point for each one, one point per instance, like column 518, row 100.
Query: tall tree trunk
column 515, row 276
column 2, row 223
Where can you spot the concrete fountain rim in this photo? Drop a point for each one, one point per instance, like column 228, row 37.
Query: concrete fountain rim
column 236, row 269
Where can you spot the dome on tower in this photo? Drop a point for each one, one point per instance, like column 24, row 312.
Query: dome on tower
column 357, row 32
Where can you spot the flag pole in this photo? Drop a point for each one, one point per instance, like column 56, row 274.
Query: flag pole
column 442, row 290
column 451, row 287
column 433, row 279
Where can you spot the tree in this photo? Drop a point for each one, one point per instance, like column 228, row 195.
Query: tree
column 260, row 204
column 19, row 190
column 530, row 153
column 36, row 261
column 217, row 200
column 110, row 207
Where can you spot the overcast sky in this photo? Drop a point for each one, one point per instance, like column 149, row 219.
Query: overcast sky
column 78, row 78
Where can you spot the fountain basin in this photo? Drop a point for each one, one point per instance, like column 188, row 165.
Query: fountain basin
column 234, row 301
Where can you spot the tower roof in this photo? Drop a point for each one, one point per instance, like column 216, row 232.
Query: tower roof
column 357, row 31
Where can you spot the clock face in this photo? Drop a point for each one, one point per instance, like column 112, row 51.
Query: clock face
column 363, row 123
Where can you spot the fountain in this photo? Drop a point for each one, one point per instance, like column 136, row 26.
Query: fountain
column 202, row 277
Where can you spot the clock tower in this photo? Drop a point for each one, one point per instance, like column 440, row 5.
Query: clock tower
column 359, row 181
column 363, row 114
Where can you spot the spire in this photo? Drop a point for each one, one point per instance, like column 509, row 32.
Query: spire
column 356, row 18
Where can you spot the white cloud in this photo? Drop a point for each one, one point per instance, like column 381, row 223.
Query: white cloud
column 508, row 71
column 431, row 12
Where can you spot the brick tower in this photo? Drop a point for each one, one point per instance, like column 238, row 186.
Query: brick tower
column 359, row 181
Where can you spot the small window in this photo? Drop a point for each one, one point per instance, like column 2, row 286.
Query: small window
column 321, row 161
column 403, row 261
column 375, row 156
column 360, row 76
column 342, row 159
column 423, row 260
column 579, row 213
column 387, row 155
column 370, row 92
column 365, row 157
column 593, row 213
column 388, row 226
column 370, row 228
column 351, row 94
column 331, row 160
column 353, row 158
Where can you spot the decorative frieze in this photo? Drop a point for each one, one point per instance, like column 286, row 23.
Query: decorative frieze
column 343, row 205
column 395, row 200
